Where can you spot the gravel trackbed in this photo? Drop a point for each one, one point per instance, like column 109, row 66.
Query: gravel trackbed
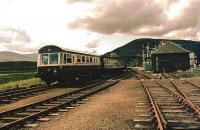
column 113, row 109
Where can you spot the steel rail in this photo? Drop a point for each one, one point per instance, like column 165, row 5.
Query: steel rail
column 8, row 96
column 12, row 95
column 123, row 76
column 149, row 76
column 174, row 75
column 160, row 119
column 20, row 90
column 53, row 98
column 185, row 96
column 144, row 75
column 165, row 76
column 180, row 97
column 79, row 95
column 136, row 76
column 192, row 83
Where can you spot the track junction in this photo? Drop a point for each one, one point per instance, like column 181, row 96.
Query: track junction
column 168, row 103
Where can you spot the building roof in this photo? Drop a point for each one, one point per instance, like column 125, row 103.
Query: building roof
column 170, row 47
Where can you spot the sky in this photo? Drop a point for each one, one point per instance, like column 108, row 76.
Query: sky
column 94, row 25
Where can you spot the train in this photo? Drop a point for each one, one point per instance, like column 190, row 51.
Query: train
column 55, row 64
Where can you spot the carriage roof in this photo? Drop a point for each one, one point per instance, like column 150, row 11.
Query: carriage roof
column 56, row 49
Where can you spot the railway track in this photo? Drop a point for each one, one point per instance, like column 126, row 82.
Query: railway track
column 141, row 75
column 189, row 90
column 20, row 93
column 17, row 94
column 27, row 114
column 128, row 74
column 163, row 108
column 170, row 76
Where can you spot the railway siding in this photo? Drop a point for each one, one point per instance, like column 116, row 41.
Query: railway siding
column 174, row 110
column 14, row 95
column 9, row 119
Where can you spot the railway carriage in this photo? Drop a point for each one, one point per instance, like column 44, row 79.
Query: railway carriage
column 111, row 65
column 56, row 64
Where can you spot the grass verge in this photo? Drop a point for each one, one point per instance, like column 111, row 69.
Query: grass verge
column 6, row 78
column 20, row 84
column 195, row 72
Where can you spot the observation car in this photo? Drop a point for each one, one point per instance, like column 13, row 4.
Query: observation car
column 56, row 64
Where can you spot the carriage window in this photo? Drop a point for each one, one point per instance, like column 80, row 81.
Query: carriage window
column 83, row 59
column 105, row 61
column 95, row 60
column 87, row 59
column 53, row 58
column 61, row 58
column 44, row 59
column 90, row 59
column 67, row 58
column 73, row 59
column 78, row 58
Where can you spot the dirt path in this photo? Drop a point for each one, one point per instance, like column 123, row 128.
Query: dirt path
column 113, row 109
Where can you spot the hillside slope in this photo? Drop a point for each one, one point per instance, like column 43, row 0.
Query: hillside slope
column 133, row 50
column 12, row 56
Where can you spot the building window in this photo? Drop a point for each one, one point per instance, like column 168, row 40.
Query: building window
column 53, row 58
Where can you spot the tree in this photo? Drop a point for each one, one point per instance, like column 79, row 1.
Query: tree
column 114, row 55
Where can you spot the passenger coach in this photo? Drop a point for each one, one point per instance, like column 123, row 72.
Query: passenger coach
column 56, row 64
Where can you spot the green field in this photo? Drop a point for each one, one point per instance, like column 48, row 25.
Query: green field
column 13, row 71
column 17, row 67
column 5, row 78
column 20, row 74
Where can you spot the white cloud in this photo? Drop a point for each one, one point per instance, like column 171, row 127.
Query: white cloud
column 152, row 18
column 113, row 22
column 93, row 44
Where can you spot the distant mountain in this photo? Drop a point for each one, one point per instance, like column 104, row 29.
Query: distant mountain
column 12, row 56
column 132, row 51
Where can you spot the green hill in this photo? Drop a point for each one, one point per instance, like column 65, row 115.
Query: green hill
column 13, row 56
column 18, row 66
column 132, row 51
